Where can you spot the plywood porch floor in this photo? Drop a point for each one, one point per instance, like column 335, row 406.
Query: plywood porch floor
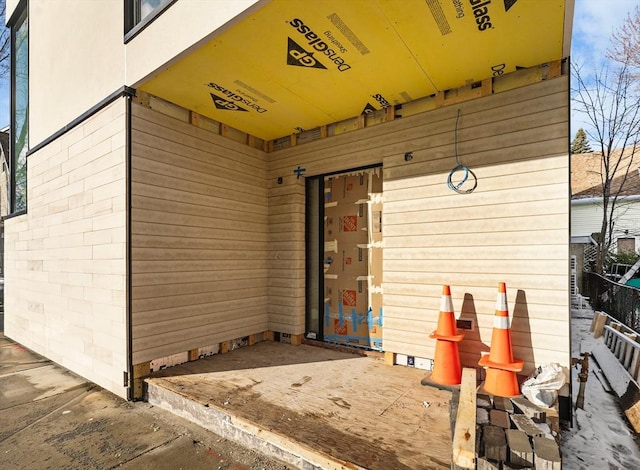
column 313, row 407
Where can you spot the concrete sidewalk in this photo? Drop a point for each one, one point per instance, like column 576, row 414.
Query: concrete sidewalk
column 53, row 419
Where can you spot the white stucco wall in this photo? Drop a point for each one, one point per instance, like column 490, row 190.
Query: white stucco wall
column 11, row 6
column 72, row 68
column 173, row 33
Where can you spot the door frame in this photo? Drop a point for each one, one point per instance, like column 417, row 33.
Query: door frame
column 314, row 272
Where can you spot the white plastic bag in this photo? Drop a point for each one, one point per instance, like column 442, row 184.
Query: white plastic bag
column 541, row 388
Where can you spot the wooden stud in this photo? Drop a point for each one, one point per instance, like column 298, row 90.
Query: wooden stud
column 268, row 146
column 140, row 372
column 296, row 340
column 293, row 140
column 554, row 69
column 596, row 315
column 252, row 340
column 142, row 98
column 389, row 358
column 390, row 113
column 598, row 328
column 464, row 435
column 269, row 336
column 224, row 347
column 194, row 354
column 194, row 118
column 487, row 87
column 633, row 413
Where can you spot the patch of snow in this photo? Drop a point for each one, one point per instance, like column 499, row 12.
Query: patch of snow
column 601, row 436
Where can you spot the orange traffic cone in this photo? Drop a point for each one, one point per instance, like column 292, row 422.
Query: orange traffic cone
column 501, row 379
column 446, row 363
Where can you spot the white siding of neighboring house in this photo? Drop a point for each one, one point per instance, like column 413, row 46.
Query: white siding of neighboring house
column 586, row 218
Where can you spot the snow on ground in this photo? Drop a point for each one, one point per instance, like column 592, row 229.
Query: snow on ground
column 601, row 436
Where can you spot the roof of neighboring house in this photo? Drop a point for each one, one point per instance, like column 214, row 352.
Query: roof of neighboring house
column 586, row 174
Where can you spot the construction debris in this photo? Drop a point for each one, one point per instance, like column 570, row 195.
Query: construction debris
column 511, row 433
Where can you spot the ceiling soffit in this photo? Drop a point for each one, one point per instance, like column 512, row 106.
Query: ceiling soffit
column 296, row 65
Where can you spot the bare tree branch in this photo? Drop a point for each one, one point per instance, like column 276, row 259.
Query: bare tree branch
column 625, row 43
column 5, row 43
column 610, row 101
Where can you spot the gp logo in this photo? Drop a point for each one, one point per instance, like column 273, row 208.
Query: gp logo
column 298, row 56
column 222, row 103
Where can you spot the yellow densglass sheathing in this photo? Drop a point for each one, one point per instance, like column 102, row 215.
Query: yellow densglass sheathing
column 296, row 65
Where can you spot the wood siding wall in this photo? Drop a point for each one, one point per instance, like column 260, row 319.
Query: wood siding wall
column 514, row 227
column 199, row 237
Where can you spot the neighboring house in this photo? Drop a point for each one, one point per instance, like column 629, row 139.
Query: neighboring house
column 225, row 172
column 587, row 208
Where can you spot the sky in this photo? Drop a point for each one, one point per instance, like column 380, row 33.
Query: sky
column 593, row 23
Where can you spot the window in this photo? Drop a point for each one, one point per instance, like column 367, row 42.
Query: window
column 19, row 111
column 139, row 13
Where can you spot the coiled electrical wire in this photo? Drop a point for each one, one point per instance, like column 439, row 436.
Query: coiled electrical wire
column 460, row 167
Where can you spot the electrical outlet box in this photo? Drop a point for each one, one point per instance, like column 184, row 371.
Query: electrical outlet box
column 467, row 324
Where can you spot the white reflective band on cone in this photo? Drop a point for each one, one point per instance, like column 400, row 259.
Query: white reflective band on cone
column 501, row 323
column 501, row 303
column 445, row 304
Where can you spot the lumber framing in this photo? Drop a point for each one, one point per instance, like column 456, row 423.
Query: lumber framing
column 144, row 369
column 464, row 435
column 140, row 372
column 442, row 98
